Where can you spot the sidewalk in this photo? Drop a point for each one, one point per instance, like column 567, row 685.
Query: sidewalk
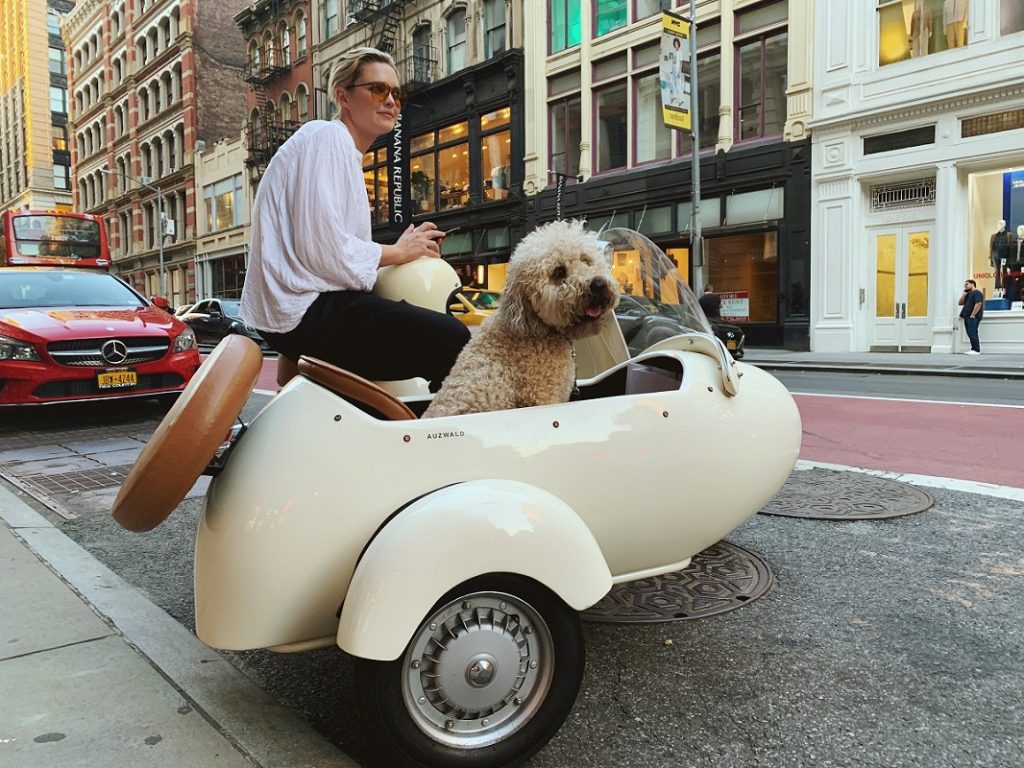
column 932, row 364
column 95, row 675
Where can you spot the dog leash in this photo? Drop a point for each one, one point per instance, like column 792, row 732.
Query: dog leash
column 575, row 394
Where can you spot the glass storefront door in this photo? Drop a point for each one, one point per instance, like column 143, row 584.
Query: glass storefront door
column 900, row 262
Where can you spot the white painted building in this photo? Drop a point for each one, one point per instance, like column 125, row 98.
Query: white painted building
column 918, row 154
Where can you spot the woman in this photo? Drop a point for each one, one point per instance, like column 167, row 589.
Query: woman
column 312, row 263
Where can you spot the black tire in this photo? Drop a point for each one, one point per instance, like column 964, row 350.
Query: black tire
column 535, row 626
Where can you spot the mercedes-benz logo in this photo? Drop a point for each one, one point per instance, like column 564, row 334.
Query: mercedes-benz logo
column 114, row 352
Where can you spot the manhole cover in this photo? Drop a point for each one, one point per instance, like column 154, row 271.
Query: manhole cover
column 825, row 494
column 81, row 480
column 722, row 577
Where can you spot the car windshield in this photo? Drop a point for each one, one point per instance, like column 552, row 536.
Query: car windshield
column 651, row 284
column 483, row 299
column 63, row 288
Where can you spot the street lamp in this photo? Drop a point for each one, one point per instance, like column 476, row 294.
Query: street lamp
column 159, row 215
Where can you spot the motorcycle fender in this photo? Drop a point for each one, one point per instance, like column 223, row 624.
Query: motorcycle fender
column 456, row 534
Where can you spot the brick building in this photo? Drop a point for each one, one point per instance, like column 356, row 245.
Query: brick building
column 34, row 160
column 150, row 83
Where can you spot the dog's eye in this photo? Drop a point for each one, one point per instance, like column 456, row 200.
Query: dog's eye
column 559, row 272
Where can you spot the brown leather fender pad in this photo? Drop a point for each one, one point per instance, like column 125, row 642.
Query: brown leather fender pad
column 189, row 435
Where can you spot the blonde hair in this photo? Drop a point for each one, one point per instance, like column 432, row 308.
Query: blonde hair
column 346, row 69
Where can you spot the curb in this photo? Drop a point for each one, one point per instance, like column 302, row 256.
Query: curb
column 973, row 373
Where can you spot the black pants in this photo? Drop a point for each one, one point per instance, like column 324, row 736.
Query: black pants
column 378, row 339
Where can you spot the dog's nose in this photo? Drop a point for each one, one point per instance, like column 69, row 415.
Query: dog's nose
column 598, row 284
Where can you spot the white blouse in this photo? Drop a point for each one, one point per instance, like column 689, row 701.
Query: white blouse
column 310, row 228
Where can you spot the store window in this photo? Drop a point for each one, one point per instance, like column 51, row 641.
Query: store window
column 609, row 15
column 761, row 72
column 223, row 203
column 1011, row 16
column 439, row 169
column 456, row 37
column 375, row 174
column 494, row 27
column 745, row 271
column 996, row 232
column 495, row 153
column 910, row 29
column 564, row 23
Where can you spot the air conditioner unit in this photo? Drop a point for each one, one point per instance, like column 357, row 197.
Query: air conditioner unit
column 170, row 229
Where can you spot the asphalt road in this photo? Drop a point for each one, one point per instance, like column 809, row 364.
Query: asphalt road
column 890, row 644
column 946, row 388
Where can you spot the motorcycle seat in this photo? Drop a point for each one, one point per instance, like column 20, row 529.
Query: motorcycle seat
column 364, row 394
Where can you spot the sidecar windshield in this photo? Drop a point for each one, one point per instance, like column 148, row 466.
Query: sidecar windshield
column 651, row 286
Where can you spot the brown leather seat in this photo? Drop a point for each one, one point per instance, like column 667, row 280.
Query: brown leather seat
column 287, row 369
column 355, row 389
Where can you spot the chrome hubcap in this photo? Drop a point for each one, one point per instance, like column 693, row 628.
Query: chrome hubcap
column 478, row 669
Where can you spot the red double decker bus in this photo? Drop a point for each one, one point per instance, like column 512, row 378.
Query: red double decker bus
column 53, row 239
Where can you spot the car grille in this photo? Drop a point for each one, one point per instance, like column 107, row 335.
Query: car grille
column 81, row 387
column 86, row 352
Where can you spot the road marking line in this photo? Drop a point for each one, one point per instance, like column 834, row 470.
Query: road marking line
column 266, row 392
column 906, row 400
column 928, row 481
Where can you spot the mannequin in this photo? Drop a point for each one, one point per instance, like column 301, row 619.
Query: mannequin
column 954, row 16
column 920, row 30
column 999, row 252
column 1013, row 280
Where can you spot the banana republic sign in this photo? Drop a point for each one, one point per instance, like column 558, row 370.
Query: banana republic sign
column 398, row 179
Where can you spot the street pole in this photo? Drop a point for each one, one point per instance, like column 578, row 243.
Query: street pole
column 159, row 224
column 696, row 240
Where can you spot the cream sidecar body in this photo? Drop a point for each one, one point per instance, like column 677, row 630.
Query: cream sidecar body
column 450, row 555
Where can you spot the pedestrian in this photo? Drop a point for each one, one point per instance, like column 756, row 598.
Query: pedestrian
column 711, row 302
column 312, row 263
column 972, row 303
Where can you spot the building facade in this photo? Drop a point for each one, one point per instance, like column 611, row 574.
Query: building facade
column 918, row 173
column 151, row 82
column 35, row 165
column 456, row 157
column 222, row 226
column 595, row 122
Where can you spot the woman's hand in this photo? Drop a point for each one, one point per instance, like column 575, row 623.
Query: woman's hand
column 415, row 242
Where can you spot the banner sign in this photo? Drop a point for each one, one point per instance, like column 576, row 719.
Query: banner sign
column 735, row 306
column 400, row 205
column 675, row 71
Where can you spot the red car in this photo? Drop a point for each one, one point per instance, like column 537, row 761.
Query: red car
column 73, row 334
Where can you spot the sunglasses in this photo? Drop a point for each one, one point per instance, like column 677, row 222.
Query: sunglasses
column 380, row 91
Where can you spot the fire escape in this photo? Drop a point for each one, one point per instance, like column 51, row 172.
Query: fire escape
column 417, row 70
column 270, row 129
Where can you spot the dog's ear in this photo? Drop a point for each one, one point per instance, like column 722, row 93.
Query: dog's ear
column 515, row 311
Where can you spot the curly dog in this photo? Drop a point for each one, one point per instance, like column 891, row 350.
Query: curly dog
column 558, row 288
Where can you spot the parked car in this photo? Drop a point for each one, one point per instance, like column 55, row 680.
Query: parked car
column 472, row 306
column 74, row 333
column 645, row 322
column 450, row 556
column 213, row 319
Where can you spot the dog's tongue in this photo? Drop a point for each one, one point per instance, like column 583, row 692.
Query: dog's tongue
column 595, row 312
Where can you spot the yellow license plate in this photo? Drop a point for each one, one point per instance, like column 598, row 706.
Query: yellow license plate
column 730, row 345
column 116, row 379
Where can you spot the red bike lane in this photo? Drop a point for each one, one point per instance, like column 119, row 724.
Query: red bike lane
column 962, row 441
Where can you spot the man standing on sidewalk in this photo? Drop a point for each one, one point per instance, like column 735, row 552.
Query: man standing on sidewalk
column 972, row 302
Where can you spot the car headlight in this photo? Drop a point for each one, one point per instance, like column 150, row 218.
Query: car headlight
column 13, row 349
column 186, row 340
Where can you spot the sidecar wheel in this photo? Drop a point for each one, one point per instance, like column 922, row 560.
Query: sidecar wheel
column 486, row 681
